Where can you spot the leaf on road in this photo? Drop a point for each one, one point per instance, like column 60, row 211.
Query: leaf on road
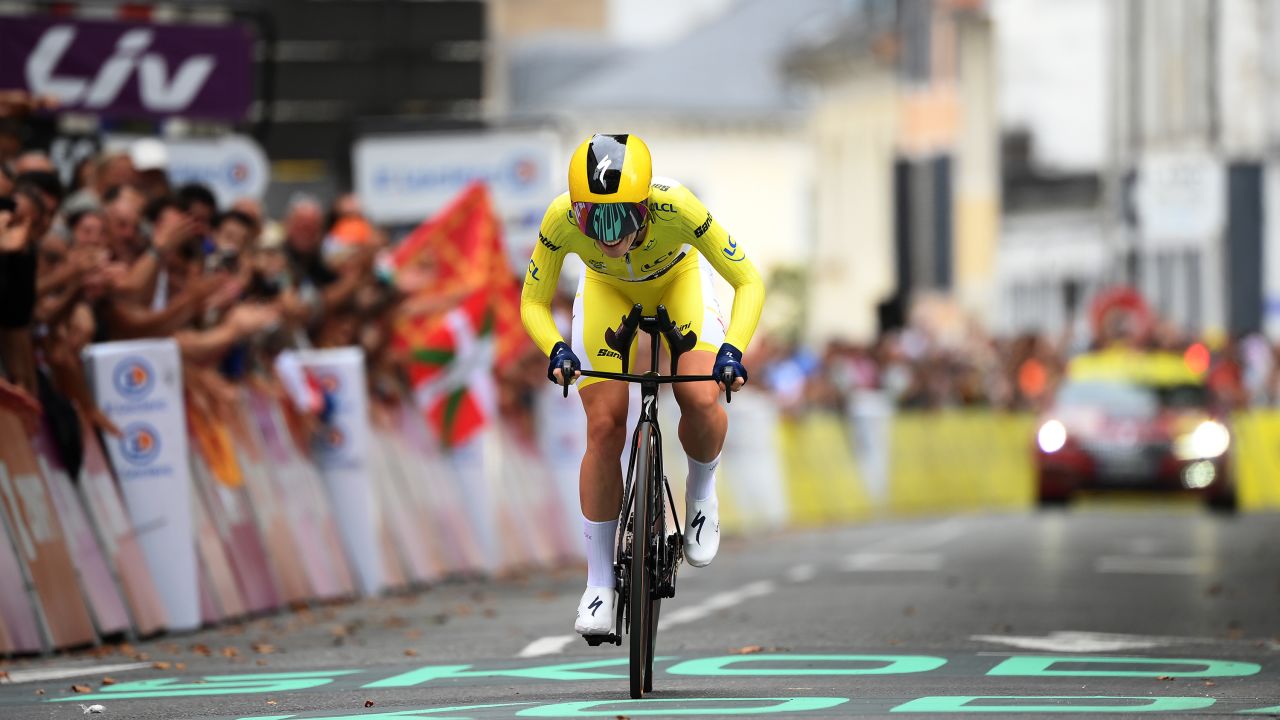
column 260, row 661
column 81, row 688
column 230, row 652
column 264, row 648
column 747, row 650
column 160, row 665
column 1165, row 677
column 108, row 680
column 180, row 666
column 201, row 649
column 1209, row 683
column 413, row 634
column 410, row 652
column 368, row 703
column 39, row 691
column 271, row 702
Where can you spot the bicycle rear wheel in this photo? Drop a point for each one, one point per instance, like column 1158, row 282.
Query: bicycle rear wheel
column 640, row 605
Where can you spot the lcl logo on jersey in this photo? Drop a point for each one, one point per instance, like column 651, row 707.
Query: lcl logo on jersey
column 159, row 91
column 133, row 378
column 140, row 444
column 663, row 211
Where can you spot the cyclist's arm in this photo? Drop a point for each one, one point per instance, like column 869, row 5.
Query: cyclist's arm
column 729, row 258
column 540, row 281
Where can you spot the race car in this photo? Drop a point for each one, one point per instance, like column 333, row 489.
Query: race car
column 1125, row 420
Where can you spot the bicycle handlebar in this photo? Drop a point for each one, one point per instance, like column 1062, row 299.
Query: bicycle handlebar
column 658, row 325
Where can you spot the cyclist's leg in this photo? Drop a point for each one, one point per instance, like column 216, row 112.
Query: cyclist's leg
column 690, row 298
column 595, row 306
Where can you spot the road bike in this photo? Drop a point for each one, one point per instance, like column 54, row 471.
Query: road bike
column 648, row 558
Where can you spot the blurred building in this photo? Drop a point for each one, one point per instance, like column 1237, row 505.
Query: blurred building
column 1139, row 137
column 1194, row 121
column 904, row 135
column 854, row 141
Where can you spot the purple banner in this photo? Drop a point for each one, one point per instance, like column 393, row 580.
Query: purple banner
column 130, row 69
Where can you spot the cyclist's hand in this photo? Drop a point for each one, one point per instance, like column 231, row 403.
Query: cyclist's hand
column 730, row 358
column 559, row 354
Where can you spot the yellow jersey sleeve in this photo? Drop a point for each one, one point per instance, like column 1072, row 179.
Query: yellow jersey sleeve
column 540, row 281
column 729, row 258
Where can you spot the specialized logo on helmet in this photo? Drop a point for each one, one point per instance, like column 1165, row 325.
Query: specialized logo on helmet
column 607, row 219
column 140, row 444
column 133, row 378
column 605, row 159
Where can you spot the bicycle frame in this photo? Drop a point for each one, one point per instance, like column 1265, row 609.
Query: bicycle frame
column 669, row 549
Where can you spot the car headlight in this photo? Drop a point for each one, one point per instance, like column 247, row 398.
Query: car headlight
column 1052, row 436
column 1210, row 439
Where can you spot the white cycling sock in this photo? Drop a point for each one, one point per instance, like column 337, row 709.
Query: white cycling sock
column 702, row 479
column 599, row 537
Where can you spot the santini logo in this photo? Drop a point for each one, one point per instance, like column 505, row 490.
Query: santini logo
column 159, row 91
column 133, row 378
column 605, row 352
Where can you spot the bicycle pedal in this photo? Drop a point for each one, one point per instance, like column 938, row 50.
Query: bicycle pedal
column 598, row 640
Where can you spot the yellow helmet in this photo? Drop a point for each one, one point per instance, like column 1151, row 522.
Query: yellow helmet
column 609, row 178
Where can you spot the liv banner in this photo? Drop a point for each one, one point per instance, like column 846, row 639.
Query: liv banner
column 130, row 69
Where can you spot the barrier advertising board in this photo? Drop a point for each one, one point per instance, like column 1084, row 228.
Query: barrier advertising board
column 138, row 384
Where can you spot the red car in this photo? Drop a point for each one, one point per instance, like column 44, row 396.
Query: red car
column 1108, row 432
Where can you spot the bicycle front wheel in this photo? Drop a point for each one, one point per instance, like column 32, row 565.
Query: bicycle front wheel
column 640, row 600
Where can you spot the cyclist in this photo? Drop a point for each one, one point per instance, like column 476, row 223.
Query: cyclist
column 644, row 240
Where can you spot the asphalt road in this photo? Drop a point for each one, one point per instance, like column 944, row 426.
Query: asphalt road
column 1170, row 610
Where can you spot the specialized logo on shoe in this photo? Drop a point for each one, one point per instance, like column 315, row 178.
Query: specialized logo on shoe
column 595, row 605
column 698, row 522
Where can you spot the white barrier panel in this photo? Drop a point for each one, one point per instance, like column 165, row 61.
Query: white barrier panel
column 342, row 455
column 138, row 384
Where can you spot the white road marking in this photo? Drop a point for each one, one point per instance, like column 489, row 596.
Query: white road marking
column 891, row 562
column 549, row 645
column 1085, row 642
column 716, row 603
column 58, row 673
column 801, row 573
column 552, row 644
column 1146, row 565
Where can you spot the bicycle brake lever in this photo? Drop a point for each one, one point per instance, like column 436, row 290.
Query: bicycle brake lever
column 727, row 378
column 566, row 372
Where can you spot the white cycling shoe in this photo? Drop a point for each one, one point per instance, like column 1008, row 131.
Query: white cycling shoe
column 701, row 530
column 595, row 612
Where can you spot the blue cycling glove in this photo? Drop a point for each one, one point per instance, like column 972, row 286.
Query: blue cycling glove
column 559, row 354
column 729, row 357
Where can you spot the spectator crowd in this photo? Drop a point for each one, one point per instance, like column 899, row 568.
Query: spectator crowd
column 119, row 252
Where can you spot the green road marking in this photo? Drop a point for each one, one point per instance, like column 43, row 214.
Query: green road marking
column 890, row 665
column 1274, row 710
column 434, row 712
column 212, row 685
column 965, row 703
column 626, row 708
column 1038, row 666
column 565, row 671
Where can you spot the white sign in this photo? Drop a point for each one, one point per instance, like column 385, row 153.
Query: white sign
column 138, row 384
column 406, row 179
column 342, row 452
column 233, row 166
column 1180, row 196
